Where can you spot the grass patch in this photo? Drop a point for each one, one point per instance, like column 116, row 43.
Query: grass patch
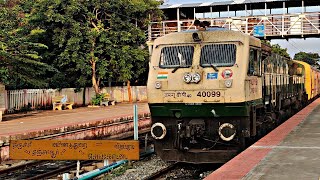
column 117, row 171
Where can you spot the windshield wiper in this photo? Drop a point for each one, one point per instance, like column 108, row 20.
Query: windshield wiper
column 214, row 67
column 178, row 67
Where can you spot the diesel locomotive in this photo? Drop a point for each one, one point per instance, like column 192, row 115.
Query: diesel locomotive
column 212, row 91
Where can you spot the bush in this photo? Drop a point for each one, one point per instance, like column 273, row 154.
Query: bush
column 97, row 99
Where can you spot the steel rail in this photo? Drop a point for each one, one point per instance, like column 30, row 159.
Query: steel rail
column 161, row 172
column 76, row 131
column 49, row 174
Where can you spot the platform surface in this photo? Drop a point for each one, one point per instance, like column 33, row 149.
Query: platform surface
column 291, row 151
column 34, row 121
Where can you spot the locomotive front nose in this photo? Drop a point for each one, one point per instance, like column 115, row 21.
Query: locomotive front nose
column 158, row 131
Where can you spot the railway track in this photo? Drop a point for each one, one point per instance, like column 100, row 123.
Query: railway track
column 115, row 129
column 183, row 171
column 87, row 129
column 48, row 169
column 161, row 172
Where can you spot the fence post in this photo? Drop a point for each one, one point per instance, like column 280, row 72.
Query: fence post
column 135, row 121
column 78, row 169
column 2, row 100
column 25, row 99
column 106, row 162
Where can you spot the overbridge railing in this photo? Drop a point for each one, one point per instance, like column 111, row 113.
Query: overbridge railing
column 271, row 26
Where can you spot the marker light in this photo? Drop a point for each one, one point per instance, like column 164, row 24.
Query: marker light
column 196, row 78
column 228, row 83
column 157, row 85
column 187, row 78
column 227, row 73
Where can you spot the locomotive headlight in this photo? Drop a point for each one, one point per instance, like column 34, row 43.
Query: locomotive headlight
column 227, row 131
column 187, row 78
column 196, row 78
column 228, row 83
column 157, row 85
column 158, row 131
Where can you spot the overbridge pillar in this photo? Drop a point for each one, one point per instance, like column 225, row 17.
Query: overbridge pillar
column 178, row 20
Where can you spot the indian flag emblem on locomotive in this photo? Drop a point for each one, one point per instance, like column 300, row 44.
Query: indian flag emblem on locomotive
column 162, row 75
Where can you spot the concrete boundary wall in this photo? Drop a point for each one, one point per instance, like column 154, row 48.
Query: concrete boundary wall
column 26, row 99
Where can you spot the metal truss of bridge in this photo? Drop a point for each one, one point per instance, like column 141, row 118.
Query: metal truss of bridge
column 265, row 19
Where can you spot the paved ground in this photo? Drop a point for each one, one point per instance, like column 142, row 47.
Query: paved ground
column 296, row 157
column 28, row 122
column 291, row 151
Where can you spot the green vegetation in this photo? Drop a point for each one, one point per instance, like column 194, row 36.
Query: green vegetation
column 87, row 42
column 310, row 58
column 281, row 51
column 58, row 44
column 276, row 48
column 20, row 62
column 98, row 98
column 118, row 171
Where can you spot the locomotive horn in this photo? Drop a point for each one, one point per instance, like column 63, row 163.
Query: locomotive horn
column 195, row 37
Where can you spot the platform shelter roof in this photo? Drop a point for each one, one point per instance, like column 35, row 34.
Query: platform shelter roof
column 257, row 3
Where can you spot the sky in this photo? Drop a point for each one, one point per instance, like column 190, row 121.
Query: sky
column 293, row 45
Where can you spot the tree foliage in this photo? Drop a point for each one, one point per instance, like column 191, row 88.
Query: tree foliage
column 20, row 63
column 310, row 58
column 98, row 39
column 276, row 48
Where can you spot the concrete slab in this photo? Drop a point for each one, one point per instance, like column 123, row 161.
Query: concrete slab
column 29, row 122
column 291, row 151
column 81, row 123
column 296, row 157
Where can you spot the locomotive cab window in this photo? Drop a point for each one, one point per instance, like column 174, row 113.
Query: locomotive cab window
column 218, row 55
column 254, row 63
column 176, row 56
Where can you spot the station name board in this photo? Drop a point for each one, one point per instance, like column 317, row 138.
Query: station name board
column 74, row 150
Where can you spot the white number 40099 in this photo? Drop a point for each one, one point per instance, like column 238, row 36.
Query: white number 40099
column 209, row 94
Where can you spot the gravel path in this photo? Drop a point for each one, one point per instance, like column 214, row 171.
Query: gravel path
column 137, row 170
column 141, row 169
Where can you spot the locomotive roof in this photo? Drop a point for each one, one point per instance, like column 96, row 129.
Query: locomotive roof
column 227, row 35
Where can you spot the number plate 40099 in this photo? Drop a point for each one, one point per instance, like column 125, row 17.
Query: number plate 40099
column 209, row 94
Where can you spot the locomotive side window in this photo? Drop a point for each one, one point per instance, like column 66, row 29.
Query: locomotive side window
column 254, row 63
column 218, row 55
column 176, row 56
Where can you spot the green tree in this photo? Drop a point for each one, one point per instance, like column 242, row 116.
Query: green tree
column 99, row 39
column 310, row 58
column 276, row 48
column 20, row 63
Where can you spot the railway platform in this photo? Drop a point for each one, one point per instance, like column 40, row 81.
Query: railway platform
column 79, row 123
column 291, row 151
